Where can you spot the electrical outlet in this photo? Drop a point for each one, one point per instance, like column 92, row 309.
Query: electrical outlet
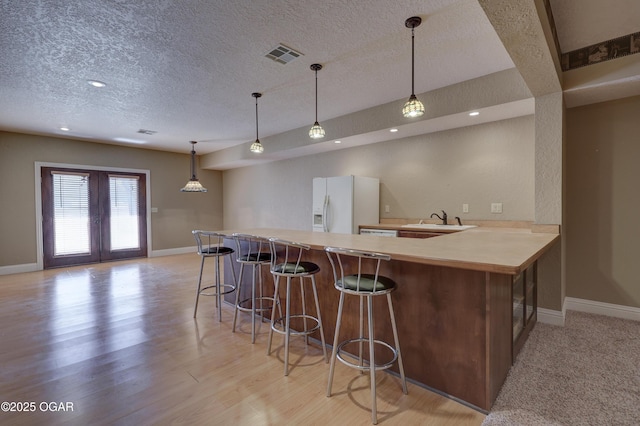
column 465, row 208
column 496, row 207
column 154, row 210
column 387, row 209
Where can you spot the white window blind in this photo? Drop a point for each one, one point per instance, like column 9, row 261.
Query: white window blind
column 123, row 195
column 71, row 218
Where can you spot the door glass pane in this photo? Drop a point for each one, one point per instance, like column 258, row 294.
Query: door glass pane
column 71, row 214
column 123, row 195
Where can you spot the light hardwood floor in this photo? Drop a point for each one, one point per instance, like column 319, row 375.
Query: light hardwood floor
column 118, row 342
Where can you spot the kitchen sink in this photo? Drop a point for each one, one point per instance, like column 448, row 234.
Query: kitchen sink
column 438, row 227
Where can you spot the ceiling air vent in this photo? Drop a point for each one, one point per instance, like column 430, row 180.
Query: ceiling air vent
column 283, row 54
column 147, row 132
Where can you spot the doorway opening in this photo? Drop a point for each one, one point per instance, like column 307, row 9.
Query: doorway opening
column 91, row 216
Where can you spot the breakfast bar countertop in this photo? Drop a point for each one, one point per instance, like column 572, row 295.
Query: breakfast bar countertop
column 460, row 285
column 490, row 249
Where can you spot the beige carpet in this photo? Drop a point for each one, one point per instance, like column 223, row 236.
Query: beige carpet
column 585, row 373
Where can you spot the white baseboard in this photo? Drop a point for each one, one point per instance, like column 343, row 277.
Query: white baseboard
column 171, row 252
column 551, row 317
column 602, row 308
column 32, row 267
column 17, row 269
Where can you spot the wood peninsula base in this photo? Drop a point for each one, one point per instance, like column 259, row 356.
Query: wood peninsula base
column 455, row 325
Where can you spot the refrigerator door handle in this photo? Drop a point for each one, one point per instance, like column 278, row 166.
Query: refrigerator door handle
column 325, row 208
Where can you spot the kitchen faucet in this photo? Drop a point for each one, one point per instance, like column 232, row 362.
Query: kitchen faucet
column 443, row 218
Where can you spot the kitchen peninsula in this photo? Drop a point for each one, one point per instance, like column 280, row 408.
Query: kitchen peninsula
column 465, row 301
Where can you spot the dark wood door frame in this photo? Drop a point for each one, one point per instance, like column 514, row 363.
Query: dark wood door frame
column 105, row 249
column 100, row 223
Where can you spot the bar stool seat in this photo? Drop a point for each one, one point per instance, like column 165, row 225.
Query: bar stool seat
column 253, row 251
column 286, row 261
column 211, row 244
column 365, row 285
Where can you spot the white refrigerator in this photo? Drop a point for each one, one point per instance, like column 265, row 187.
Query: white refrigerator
column 342, row 203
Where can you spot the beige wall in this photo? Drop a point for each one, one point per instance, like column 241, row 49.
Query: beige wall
column 178, row 213
column 602, row 226
column 478, row 165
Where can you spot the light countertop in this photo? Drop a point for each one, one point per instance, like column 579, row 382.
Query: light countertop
column 499, row 250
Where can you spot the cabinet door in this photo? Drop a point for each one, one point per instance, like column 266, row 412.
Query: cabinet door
column 530, row 295
column 518, row 305
column 524, row 290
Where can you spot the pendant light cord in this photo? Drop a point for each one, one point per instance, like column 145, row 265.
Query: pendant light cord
column 412, row 62
column 316, row 95
column 256, row 118
column 193, row 161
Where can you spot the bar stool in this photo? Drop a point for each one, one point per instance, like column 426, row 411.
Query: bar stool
column 286, row 261
column 252, row 250
column 210, row 244
column 364, row 285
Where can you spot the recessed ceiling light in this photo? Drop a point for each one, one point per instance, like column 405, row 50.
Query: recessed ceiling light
column 393, row 130
column 474, row 113
column 64, row 129
column 96, row 83
column 337, row 141
column 127, row 140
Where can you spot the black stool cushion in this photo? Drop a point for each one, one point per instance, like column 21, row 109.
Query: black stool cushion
column 367, row 283
column 217, row 250
column 290, row 268
column 255, row 257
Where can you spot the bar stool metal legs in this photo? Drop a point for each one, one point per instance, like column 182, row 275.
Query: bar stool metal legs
column 210, row 244
column 252, row 251
column 287, row 262
column 365, row 286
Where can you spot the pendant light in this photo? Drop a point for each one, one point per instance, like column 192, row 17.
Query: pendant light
column 316, row 131
column 413, row 107
column 256, row 147
column 194, row 184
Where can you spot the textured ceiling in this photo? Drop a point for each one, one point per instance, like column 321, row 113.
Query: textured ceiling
column 186, row 68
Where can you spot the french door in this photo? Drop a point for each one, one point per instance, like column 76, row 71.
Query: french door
column 91, row 216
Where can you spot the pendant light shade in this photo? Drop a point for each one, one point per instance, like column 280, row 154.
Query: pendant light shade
column 194, row 184
column 316, row 131
column 256, row 147
column 413, row 107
